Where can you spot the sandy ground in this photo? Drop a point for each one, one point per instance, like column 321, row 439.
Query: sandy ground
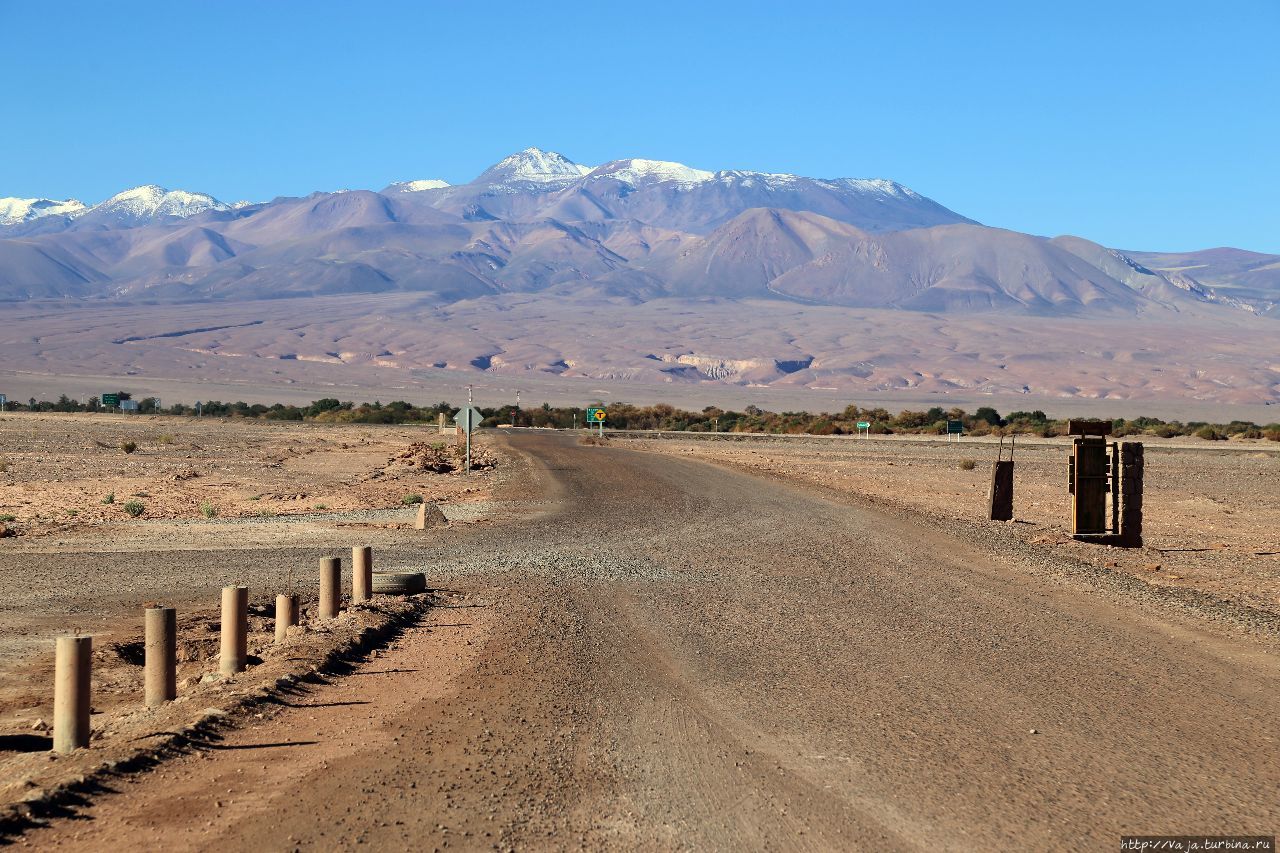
column 666, row 654
column 285, row 495
column 62, row 472
column 1211, row 512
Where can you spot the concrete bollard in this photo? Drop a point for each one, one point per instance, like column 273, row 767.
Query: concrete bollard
column 286, row 615
column 72, row 663
column 330, row 587
column 235, row 630
column 160, row 645
column 361, row 573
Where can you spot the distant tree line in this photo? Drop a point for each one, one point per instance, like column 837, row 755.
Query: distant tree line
column 983, row 421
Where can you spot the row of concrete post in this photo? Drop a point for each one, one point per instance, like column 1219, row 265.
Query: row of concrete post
column 73, row 655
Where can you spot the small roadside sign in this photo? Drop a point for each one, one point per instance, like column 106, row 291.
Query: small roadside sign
column 4, row 401
column 955, row 427
column 596, row 415
column 128, row 405
column 468, row 419
column 864, row 428
column 111, row 401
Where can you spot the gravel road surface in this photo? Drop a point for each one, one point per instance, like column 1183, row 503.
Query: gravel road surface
column 672, row 655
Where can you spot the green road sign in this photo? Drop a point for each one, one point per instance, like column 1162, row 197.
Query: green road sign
column 111, row 401
column 864, row 425
column 955, row 427
column 595, row 415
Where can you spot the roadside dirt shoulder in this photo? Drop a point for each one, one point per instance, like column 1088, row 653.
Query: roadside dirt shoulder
column 1211, row 518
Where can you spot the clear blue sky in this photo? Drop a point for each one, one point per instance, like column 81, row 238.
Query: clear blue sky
column 1140, row 125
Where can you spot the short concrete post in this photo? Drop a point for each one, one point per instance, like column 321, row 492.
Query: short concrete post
column 421, row 522
column 361, row 573
column 286, row 615
column 72, row 663
column 160, row 647
column 235, row 630
column 330, row 587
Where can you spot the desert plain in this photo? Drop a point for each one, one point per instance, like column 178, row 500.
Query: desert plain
column 865, row 623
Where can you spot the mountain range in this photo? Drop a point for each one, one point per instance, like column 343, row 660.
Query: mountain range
column 634, row 228
column 647, row 273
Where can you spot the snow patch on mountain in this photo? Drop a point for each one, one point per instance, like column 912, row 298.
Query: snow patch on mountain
column 14, row 211
column 636, row 172
column 417, row 186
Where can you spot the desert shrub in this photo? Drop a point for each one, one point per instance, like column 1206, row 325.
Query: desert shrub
column 256, row 498
column 1165, row 431
column 968, row 464
column 322, row 506
column 4, row 464
column 1209, row 433
column 135, row 508
column 164, row 438
column 1273, row 433
column 266, row 513
column 73, row 512
column 208, row 510
column 409, row 500
column 110, row 498
column 8, row 518
column 128, row 446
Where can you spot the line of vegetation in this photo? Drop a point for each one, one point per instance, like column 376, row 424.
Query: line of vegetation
column 983, row 421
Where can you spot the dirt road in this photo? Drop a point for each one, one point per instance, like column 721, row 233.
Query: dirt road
column 675, row 655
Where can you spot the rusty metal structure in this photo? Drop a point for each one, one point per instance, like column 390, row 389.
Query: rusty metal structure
column 1105, row 481
column 1000, row 495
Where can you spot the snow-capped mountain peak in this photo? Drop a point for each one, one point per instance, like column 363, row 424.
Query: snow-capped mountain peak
column 534, row 166
column 417, row 186
column 637, row 172
column 150, row 201
column 15, row 211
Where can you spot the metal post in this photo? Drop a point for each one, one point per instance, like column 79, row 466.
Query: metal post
column 330, row 586
column 362, row 573
column 286, row 615
column 160, row 650
column 235, row 630
column 72, row 661
column 468, row 429
column 1131, row 470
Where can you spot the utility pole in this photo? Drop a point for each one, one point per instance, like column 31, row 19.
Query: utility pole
column 575, row 420
column 514, row 418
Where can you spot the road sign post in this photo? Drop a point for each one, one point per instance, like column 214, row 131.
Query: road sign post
column 596, row 415
column 864, row 429
column 468, row 419
column 111, row 401
column 956, row 428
